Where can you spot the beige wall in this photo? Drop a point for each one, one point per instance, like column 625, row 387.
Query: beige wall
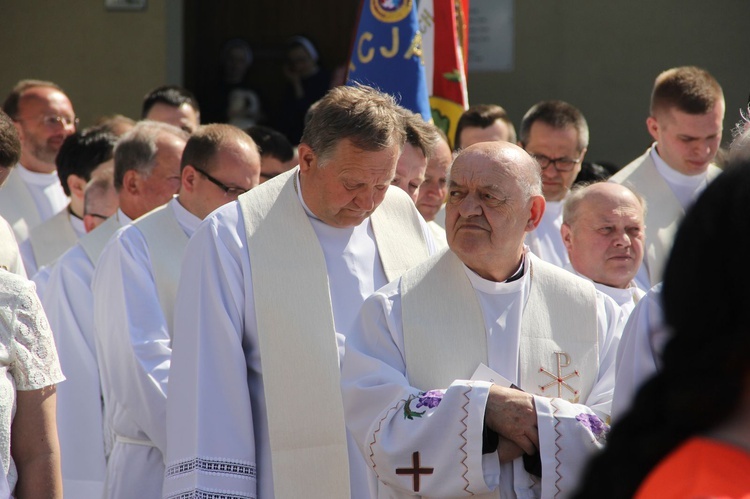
column 602, row 56
column 105, row 60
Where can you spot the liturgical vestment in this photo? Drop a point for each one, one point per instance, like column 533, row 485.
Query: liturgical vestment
column 239, row 273
column 419, row 419
column 29, row 198
column 50, row 239
column 545, row 241
column 84, row 442
column 133, row 287
column 657, row 182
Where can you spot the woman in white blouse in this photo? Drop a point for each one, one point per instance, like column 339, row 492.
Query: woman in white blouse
column 29, row 371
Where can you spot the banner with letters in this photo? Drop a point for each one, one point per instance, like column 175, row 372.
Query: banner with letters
column 387, row 53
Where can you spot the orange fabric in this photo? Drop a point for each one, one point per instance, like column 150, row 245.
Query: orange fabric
column 700, row 468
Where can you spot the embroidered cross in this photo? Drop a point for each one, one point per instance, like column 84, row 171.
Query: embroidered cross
column 415, row 471
column 559, row 378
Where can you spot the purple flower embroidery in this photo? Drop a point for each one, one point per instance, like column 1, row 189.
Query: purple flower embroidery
column 595, row 425
column 430, row 399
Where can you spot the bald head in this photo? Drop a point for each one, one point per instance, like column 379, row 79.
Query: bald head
column 100, row 201
column 603, row 231
column 495, row 197
column 505, row 157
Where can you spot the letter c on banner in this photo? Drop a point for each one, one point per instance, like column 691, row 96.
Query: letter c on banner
column 364, row 59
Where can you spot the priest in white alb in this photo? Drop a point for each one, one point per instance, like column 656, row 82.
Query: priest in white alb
column 604, row 233
column 79, row 157
column 686, row 122
column 433, row 191
column 556, row 134
column 134, row 288
column 269, row 287
column 484, row 371
column 43, row 116
column 147, row 162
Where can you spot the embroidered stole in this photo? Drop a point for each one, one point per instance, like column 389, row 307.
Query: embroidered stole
column 295, row 327
column 94, row 242
column 17, row 206
column 445, row 337
column 664, row 212
column 166, row 241
column 52, row 238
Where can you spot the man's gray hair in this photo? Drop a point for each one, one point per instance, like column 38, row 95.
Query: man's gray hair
column 578, row 194
column 136, row 150
column 532, row 184
column 370, row 119
column 557, row 114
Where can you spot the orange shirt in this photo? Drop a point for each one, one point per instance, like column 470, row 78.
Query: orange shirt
column 700, row 468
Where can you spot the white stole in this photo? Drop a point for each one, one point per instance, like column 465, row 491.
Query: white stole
column 52, row 238
column 438, row 234
column 10, row 259
column 94, row 242
column 445, row 337
column 166, row 241
column 306, row 427
column 17, row 205
column 663, row 211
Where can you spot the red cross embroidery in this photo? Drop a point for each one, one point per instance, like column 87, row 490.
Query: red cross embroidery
column 560, row 378
column 415, row 471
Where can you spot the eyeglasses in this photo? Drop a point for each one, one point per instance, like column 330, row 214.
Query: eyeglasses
column 55, row 121
column 562, row 165
column 96, row 215
column 228, row 191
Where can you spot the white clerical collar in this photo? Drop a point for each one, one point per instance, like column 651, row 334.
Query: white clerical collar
column 36, row 178
column 298, row 190
column 499, row 288
column 672, row 176
column 621, row 296
column 77, row 224
column 187, row 220
column 123, row 218
column 553, row 210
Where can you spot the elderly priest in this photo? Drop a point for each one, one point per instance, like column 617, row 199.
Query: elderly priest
column 434, row 365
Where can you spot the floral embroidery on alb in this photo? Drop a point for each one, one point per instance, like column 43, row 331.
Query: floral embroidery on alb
column 595, row 425
column 429, row 400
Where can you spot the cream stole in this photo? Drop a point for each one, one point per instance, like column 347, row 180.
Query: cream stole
column 663, row 211
column 10, row 259
column 94, row 242
column 52, row 238
column 296, row 331
column 438, row 234
column 445, row 337
column 17, row 206
column 166, row 241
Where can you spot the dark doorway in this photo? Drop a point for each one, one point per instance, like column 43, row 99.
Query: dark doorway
column 265, row 25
